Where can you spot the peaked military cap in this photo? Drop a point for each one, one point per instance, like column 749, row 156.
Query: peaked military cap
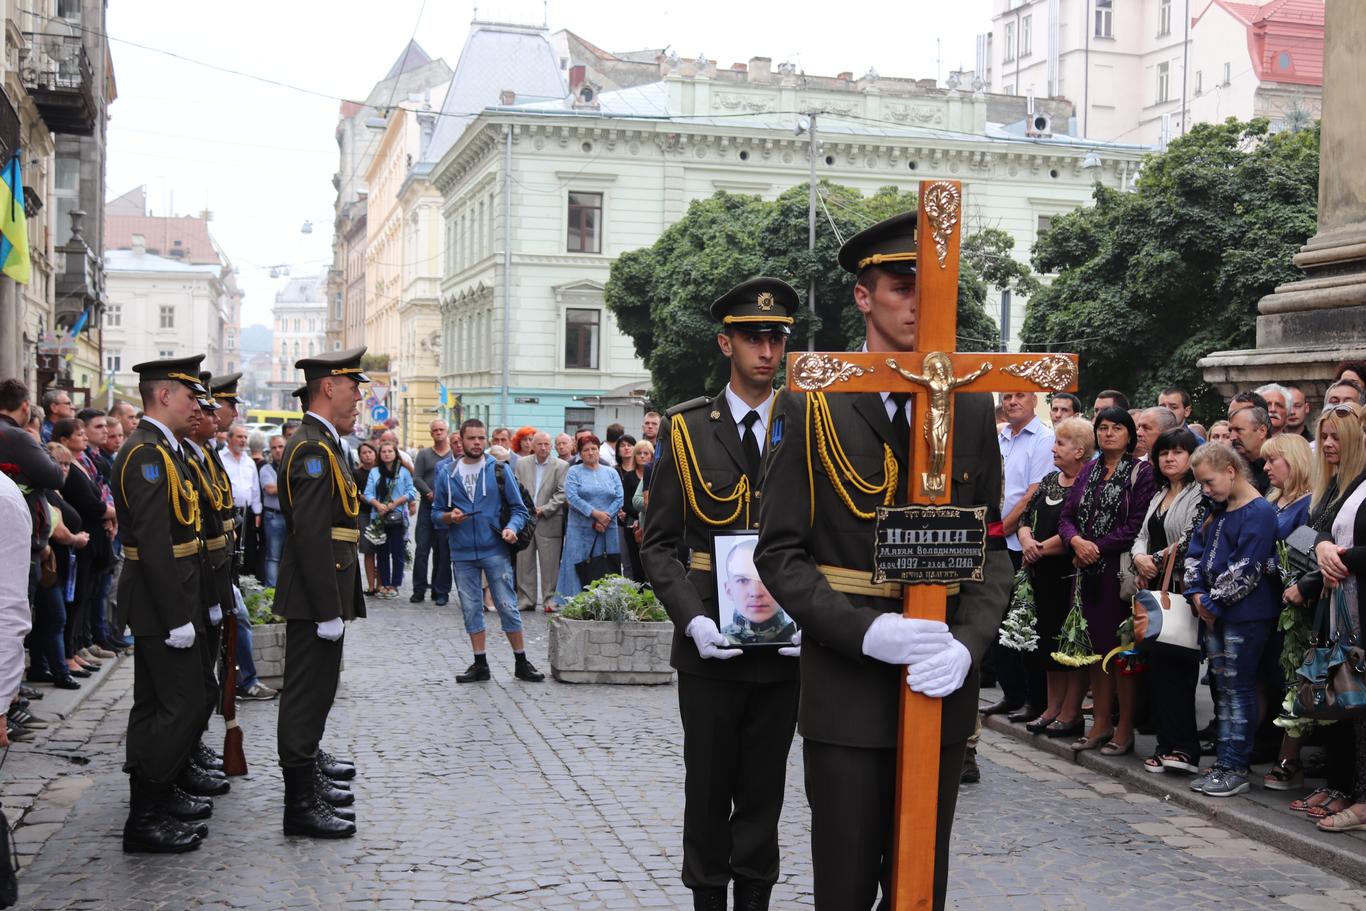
column 335, row 363
column 207, row 401
column 759, row 305
column 184, row 369
column 224, row 388
column 889, row 244
column 302, row 395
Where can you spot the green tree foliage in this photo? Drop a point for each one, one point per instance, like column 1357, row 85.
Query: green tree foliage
column 1148, row 282
column 660, row 295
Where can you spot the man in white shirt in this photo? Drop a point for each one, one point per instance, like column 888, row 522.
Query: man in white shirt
column 246, row 481
column 16, row 534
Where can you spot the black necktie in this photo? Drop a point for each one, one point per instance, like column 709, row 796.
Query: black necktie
column 750, row 443
column 901, row 427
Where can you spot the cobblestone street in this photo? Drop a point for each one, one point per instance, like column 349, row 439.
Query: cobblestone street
column 512, row 795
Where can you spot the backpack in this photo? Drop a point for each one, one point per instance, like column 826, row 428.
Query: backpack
column 505, row 513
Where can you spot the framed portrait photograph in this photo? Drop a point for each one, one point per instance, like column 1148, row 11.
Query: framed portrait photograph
column 748, row 615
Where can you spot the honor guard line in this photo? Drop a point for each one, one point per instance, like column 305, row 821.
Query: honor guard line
column 932, row 374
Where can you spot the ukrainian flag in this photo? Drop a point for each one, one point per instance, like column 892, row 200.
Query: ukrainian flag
column 14, row 258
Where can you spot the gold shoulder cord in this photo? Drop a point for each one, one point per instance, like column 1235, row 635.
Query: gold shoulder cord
column 346, row 486
column 837, row 465
column 184, row 498
column 215, row 495
column 220, row 486
column 687, row 466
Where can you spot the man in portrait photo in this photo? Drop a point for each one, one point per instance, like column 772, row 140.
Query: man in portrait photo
column 755, row 617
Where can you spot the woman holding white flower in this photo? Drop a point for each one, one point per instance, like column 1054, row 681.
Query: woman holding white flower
column 1173, row 514
column 1049, row 565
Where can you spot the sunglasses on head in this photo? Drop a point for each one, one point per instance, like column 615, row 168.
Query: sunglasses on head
column 1341, row 408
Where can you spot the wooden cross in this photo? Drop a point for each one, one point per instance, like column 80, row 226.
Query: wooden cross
column 932, row 374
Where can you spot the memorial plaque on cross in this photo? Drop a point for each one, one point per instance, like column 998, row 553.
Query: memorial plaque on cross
column 932, row 374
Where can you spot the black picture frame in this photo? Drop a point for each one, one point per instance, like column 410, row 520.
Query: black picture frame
column 743, row 607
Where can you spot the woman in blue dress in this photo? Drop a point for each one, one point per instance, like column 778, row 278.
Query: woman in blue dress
column 594, row 494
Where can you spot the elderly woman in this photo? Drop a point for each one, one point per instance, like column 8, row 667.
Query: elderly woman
column 593, row 492
column 1176, row 508
column 1099, row 522
column 1050, row 569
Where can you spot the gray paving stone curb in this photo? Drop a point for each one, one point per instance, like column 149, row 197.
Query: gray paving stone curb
column 1345, row 856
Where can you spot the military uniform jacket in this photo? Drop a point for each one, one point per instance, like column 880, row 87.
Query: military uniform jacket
column 672, row 520
column 847, row 698
column 214, row 487
column 319, row 578
column 158, row 509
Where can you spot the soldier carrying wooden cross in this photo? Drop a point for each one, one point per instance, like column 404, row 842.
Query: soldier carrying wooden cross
column 882, row 758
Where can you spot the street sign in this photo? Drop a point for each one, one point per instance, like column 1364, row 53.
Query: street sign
column 379, row 414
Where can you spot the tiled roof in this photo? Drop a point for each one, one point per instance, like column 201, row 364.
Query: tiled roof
column 162, row 235
column 1286, row 42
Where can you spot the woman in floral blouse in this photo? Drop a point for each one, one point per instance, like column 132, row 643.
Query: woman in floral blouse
column 1230, row 581
column 1101, row 518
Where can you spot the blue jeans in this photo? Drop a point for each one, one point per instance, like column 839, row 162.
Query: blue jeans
column 246, row 664
column 48, row 643
column 469, row 576
column 389, row 556
column 273, row 523
column 435, row 544
column 1235, row 654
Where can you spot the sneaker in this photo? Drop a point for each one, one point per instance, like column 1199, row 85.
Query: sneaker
column 1226, row 783
column 258, row 691
column 1204, row 778
column 441, row 601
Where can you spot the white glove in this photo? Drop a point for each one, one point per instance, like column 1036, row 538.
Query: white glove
column 708, row 639
column 899, row 640
column 939, row 675
column 215, row 614
column 331, row 630
column 181, row 636
column 794, row 650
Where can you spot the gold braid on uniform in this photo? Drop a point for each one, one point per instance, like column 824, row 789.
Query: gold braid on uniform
column 222, row 498
column 346, row 486
column 184, row 498
column 837, row 465
column 687, row 466
column 211, row 485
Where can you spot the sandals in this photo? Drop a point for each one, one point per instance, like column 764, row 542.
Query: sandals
column 1301, row 804
column 1347, row 820
column 1179, row 762
column 1286, row 775
column 1154, row 764
column 1336, row 802
column 1118, row 749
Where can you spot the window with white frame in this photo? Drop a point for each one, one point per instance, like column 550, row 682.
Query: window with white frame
column 1164, row 18
column 585, row 223
column 581, row 339
column 1026, row 36
column 168, row 316
column 1010, row 42
column 113, row 316
column 113, row 360
column 1164, row 82
column 1105, row 18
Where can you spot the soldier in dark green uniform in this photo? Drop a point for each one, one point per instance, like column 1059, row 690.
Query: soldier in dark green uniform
column 203, row 775
column 738, row 708
column 816, row 555
column 160, row 600
column 320, row 502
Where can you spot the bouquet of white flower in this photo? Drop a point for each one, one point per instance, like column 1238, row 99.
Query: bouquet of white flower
column 1018, row 629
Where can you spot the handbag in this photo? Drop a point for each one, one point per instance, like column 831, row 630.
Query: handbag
column 505, row 512
column 1299, row 550
column 1163, row 620
column 594, row 568
column 1332, row 677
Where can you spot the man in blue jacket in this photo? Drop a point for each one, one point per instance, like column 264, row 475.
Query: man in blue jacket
column 467, row 503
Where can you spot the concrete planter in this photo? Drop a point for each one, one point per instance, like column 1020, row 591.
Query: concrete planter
column 599, row 651
column 268, row 650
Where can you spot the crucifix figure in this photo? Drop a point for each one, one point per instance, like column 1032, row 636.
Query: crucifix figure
column 889, row 691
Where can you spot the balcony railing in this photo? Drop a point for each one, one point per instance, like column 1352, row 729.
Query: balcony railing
column 59, row 78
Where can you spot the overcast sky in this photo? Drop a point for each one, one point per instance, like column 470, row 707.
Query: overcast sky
column 260, row 157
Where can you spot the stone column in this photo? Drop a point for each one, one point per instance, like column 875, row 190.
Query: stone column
column 1306, row 327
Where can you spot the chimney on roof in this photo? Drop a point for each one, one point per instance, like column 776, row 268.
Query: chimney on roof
column 139, row 245
column 846, row 76
column 739, row 68
column 578, row 74
column 507, row 97
column 760, row 69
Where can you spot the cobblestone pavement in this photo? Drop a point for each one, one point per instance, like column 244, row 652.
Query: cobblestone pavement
column 550, row 796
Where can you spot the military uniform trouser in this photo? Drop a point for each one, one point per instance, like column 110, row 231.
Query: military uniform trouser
column 312, row 666
column 852, row 792
column 736, row 737
column 208, row 654
column 167, row 715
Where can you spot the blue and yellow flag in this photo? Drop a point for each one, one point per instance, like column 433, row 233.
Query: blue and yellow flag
column 14, row 258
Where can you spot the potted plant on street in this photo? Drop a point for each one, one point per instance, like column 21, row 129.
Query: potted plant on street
column 267, row 628
column 614, row 631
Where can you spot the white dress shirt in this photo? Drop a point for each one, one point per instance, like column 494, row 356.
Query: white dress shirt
column 890, row 405
column 16, row 556
column 165, row 431
column 246, row 482
column 738, row 410
column 331, row 428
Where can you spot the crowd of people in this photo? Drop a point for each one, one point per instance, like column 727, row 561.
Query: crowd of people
column 1253, row 522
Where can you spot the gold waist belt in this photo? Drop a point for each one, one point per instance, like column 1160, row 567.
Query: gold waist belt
column 346, row 534
column 229, row 524
column 217, row 543
column 849, row 581
column 188, row 549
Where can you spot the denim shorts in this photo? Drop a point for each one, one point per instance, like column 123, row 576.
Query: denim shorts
column 497, row 568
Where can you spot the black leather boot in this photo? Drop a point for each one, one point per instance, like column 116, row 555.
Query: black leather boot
column 305, row 812
column 206, row 758
column 148, row 830
column 345, row 813
column 751, row 896
column 330, row 795
column 186, row 807
column 334, row 768
column 201, row 783
column 709, row 899
column 525, row 670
